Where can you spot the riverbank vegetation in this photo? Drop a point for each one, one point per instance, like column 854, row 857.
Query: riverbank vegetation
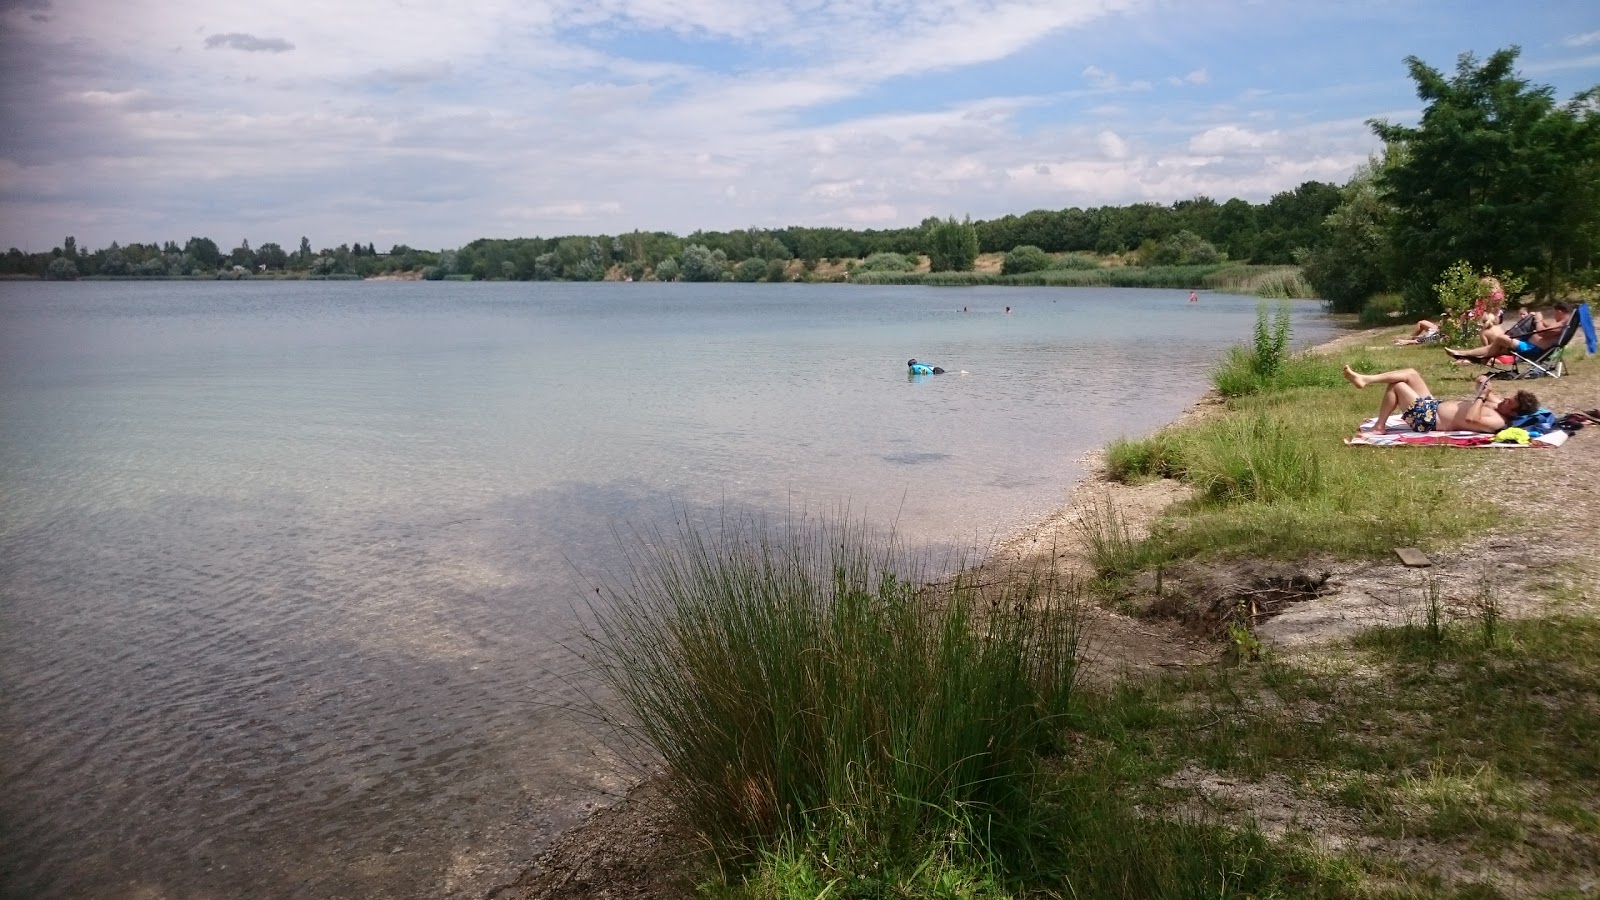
column 833, row 733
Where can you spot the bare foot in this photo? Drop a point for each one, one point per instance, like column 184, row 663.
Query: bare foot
column 1354, row 377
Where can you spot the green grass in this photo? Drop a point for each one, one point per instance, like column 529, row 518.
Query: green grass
column 1274, row 479
column 798, row 682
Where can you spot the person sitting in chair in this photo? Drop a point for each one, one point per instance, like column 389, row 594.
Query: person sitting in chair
column 1497, row 342
column 1487, row 412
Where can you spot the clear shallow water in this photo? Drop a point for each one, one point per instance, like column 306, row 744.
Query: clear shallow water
column 285, row 568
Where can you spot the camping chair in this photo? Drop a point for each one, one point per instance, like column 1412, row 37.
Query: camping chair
column 1549, row 362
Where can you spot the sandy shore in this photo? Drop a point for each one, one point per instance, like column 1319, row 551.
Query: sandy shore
column 627, row 850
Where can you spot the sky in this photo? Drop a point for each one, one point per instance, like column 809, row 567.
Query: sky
column 432, row 124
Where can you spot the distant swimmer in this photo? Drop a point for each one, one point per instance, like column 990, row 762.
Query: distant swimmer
column 922, row 368
column 1193, row 297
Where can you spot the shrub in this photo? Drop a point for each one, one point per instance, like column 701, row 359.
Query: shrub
column 1024, row 259
column 1382, row 310
column 887, row 262
column 1076, row 261
column 750, row 270
column 1467, row 302
column 61, row 269
column 799, row 680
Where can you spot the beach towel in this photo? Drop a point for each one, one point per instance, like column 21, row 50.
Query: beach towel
column 1400, row 434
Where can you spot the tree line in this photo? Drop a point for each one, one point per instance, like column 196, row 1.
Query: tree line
column 1240, row 230
column 1496, row 174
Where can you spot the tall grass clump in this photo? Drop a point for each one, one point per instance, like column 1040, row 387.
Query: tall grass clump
column 1255, row 459
column 798, row 682
column 1273, row 282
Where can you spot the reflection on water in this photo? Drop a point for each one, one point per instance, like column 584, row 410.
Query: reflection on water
column 286, row 571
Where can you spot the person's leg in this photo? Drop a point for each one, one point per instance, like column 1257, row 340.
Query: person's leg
column 1405, row 386
column 1409, row 377
column 1423, row 327
column 1495, row 344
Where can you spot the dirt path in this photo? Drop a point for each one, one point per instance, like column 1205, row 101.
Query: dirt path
column 1547, row 559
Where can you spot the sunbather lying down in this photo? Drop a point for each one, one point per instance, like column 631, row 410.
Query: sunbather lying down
column 1487, row 412
column 1426, row 332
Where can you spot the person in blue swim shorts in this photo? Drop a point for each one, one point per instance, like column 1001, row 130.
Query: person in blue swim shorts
column 922, row 368
column 1487, row 412
column 1497, row 342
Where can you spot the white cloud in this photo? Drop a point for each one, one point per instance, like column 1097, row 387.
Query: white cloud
column 1225, row 139
column 1111, row 145
column 1582, row 40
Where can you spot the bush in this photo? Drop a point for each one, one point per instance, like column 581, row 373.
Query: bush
column 800, row 681
column 1026, row 258
column 750, row 270
column 1076, row 261
column 887, row 262
column 1381, row 310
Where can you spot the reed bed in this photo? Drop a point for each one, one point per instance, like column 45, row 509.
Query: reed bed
column 1265, row 281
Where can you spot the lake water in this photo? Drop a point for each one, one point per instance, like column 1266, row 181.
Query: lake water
column 286, row 568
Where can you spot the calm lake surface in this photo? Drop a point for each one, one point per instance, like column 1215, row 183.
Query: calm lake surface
column 286, row 569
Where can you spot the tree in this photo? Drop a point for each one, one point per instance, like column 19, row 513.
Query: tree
column 61, row 269
column 700, row 263
column 272, row 256
column 952, row 246
column 204, row 252
column 667, row 270
column 1494, row 173
column 1350, row 266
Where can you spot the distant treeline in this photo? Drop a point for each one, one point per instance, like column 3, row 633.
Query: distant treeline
column 1497, row 178
column 1237, row 230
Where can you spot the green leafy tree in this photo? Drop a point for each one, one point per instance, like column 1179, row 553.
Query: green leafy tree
column 668, row 270
column 951, row 246
column 61, row 269
column 204, row 252
column 272, row 256
column 701, row 263
column 1494, row 173
column 1350, row 267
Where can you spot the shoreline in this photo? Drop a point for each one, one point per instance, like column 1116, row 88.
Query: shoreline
column 624, row 850
column 620, row 842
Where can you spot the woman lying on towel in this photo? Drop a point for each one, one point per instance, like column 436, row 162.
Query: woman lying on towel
column 1486, row 412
